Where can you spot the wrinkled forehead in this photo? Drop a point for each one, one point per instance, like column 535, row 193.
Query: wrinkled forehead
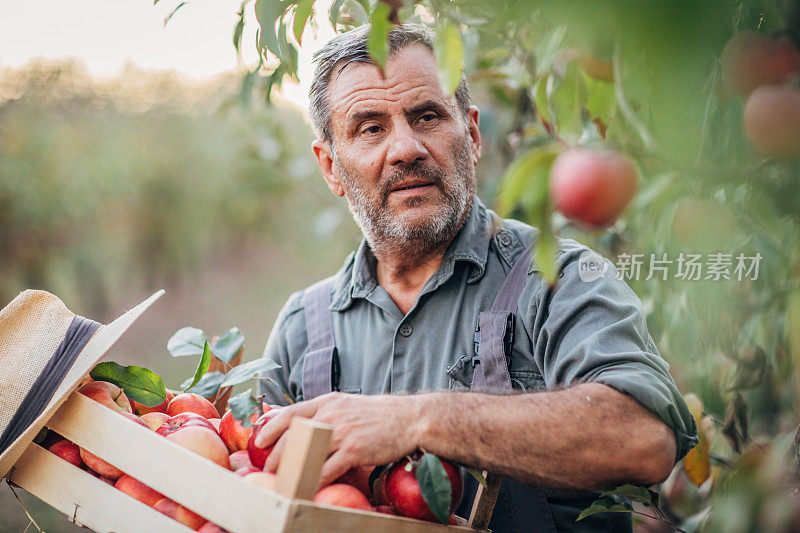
column 411, row 77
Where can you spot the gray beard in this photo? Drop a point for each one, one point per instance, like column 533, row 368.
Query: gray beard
column 390, row 235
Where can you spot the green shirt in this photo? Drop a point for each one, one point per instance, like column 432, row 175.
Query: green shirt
column 591, row 331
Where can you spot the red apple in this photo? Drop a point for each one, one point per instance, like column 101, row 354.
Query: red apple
column 343, row 495
column 750, row 60
column 132, row 417
column 592, row 187
column 135, row 488
column 107, row 480
column 239, row 459
column 100, row 466
column 262, row 479
column 68, row 451
column 243, row 471
column 155, row 419
column 772, row 120
column 189, row 402
column 404, row 494
column 202, row 442
column 174, row 423
column 234, row 433
column 107, row 394
column 258, row 456
column 179, row 513
column 359, row 478
column 160, row 408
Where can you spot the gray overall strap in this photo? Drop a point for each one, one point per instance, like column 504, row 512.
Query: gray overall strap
column 495, row 331
column 321, row 363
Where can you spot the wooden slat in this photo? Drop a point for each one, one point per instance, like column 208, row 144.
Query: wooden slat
column 306, row 516
column 307, row 447
column 84, row 498
column 485, row 498
column 193, row 481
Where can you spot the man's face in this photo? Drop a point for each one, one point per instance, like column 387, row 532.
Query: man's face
column 402, row 153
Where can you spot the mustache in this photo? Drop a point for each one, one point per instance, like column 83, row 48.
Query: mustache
column 413, row 169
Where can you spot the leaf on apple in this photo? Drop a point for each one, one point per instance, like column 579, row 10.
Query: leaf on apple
column 202, row 367
column 243, row 406
column 139, row 384
column 635, row 492
column 434, row 484
column 187, row 341
column 606, row 504
column 207, row 386
column 242, row 373
column 228, row 345
column 477, row 474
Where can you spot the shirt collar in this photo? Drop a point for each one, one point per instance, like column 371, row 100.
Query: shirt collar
column 357, row 277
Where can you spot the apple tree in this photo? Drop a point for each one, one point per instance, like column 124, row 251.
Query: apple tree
column 696, row 107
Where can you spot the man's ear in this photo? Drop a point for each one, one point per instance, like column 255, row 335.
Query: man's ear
column 324, row 154
column 474, row 132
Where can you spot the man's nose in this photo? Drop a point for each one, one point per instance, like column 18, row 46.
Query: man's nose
column 404, row 146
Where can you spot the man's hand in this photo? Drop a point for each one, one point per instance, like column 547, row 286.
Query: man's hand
column 367, row 430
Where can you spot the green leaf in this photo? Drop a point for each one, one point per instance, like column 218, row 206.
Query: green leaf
column 242, row 373
column 242, row 407
column 171, row 13
column 202, row 366
column 378, row 39
column 546, row 51
column 606, row 504
column 526, row 180
column 301, row 14
column 267, row 13
column 601, row 100
column 186, row 342
column 334, row 11
column 288, row 53
column 449, row 56
column 793, row 327
column 540, row 98
column 634, row 492
column 228, row 345
column 477, row 474
column 546, row 249
column 568, row 102
column 238, row 29
column 434, row 484
column 208, row 385
column 140, row 384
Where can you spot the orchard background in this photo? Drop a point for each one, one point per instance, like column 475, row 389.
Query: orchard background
column 111, row 189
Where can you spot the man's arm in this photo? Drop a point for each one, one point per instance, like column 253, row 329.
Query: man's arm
column 589, row 436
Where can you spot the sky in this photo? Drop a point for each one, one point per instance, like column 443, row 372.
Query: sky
column 108, row 34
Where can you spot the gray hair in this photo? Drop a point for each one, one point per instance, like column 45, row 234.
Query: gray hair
column 352, row 46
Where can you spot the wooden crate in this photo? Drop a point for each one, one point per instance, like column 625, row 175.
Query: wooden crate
column 193, row 481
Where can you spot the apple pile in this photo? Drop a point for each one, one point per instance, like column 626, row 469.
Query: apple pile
column 186, row 419
column 766, row 71
column 192, row 421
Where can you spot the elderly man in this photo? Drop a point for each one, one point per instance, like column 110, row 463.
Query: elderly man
column 441, row 297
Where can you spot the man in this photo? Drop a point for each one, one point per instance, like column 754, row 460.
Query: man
column 401, row 315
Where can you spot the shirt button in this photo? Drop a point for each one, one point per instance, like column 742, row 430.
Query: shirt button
column 406, row 330
column 505, row 240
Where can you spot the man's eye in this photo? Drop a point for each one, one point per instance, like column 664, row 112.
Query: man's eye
column 428, row 117
column 372, row 130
